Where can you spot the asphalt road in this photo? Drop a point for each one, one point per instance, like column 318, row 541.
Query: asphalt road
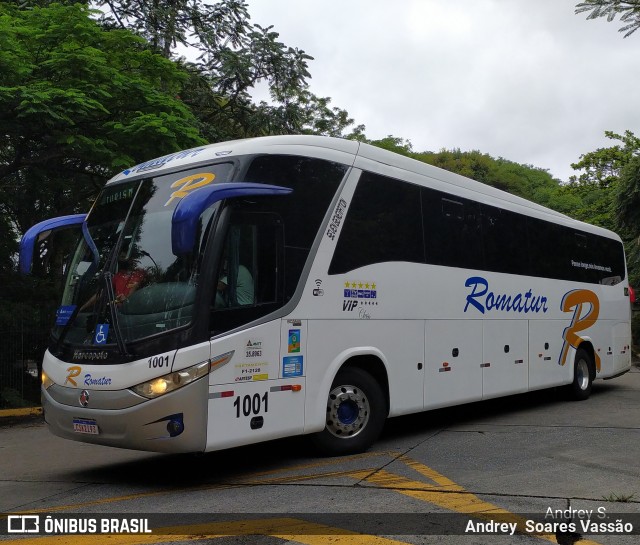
column 438, row 477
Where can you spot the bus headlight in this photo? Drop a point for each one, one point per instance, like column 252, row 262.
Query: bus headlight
column 46, row 381
column 168, row 383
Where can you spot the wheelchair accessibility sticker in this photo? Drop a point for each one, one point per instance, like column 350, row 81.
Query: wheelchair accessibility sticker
column 102, row 332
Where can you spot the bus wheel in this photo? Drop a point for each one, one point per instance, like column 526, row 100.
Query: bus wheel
column 356, row 411
column 580, row 388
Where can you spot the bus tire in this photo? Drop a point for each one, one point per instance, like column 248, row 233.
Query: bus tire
column 356, row 411
column 580, row 388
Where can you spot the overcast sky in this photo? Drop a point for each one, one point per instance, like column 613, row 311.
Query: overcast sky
column 527, row 80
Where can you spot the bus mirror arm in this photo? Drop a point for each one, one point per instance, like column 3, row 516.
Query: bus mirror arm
column 34, row 234
column 184, row 223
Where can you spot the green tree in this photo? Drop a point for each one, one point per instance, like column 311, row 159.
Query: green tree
column 233, row 57
column 603, row 166
column 627, row 10
column 597, row 184
column 608, row 189
column 77, row 104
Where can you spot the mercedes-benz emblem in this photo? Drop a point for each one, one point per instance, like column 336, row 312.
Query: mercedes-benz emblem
column 84, row 398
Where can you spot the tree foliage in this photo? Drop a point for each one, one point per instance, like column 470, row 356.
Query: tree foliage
column 230, row 59
column 608, row 190
column 628, row 196
column 77, row 104
column 627, row 10
column 603, row 166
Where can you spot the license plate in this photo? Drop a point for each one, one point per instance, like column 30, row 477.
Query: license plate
column 81, row 425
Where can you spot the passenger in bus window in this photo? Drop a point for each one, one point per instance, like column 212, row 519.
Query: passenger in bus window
column 244, row 288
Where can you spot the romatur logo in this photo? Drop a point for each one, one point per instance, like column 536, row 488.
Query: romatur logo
column 575, row 301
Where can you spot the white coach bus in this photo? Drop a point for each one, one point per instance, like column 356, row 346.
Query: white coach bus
column 263, row 288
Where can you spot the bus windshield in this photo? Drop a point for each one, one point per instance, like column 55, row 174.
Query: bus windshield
column 123, row 282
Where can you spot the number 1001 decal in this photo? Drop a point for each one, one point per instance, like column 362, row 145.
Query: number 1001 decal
column 248, row 405
column 158, row 361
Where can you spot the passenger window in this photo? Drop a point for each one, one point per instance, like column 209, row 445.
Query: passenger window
column 505, row 242
column 248, row 283
column 314, row 183
column 383, row 223
column 452, row 230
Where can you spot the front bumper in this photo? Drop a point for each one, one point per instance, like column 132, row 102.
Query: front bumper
column 144, row 425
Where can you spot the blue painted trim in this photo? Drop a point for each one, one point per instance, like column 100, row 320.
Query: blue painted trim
column 28, row 241
column 184, row 223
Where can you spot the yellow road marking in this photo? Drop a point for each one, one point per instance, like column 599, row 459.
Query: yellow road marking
column 307, row 533
column 449, row 495
column 323, row 463
column 222, row 486
column 443, row 492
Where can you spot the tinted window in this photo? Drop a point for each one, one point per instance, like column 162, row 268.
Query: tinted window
column 314, row 184
column 383, row 223
column 504, row 235
column 452, row 230
column 391, row 220
column 566, row 254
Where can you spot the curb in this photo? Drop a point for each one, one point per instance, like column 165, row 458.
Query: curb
column 9, row 417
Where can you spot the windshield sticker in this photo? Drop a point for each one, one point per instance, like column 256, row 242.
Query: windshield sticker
column 574, row 301
column 292, row 366
column 161, row 161
column 118, row 195
column 102, row 332
column 64, row 313
column 189, row 183
column 484, row 300
column 294, row 341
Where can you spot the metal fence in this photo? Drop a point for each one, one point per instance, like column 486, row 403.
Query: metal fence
column 21, row 352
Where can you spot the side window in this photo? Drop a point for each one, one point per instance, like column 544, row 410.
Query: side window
column 549, row 251
column 505, row 242
column 452, row 230
column 383, row 223
column 314, row 183
column 597, row 260
column 249, row 277
column 235, row 282
column 565, row 254
column 611, row 266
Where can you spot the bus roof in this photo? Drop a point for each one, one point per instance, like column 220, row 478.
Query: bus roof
column 352, row 153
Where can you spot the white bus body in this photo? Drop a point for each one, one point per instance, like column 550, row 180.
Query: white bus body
column 417, row 289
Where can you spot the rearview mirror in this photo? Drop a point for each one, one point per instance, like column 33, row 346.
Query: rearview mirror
column 38, row 235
